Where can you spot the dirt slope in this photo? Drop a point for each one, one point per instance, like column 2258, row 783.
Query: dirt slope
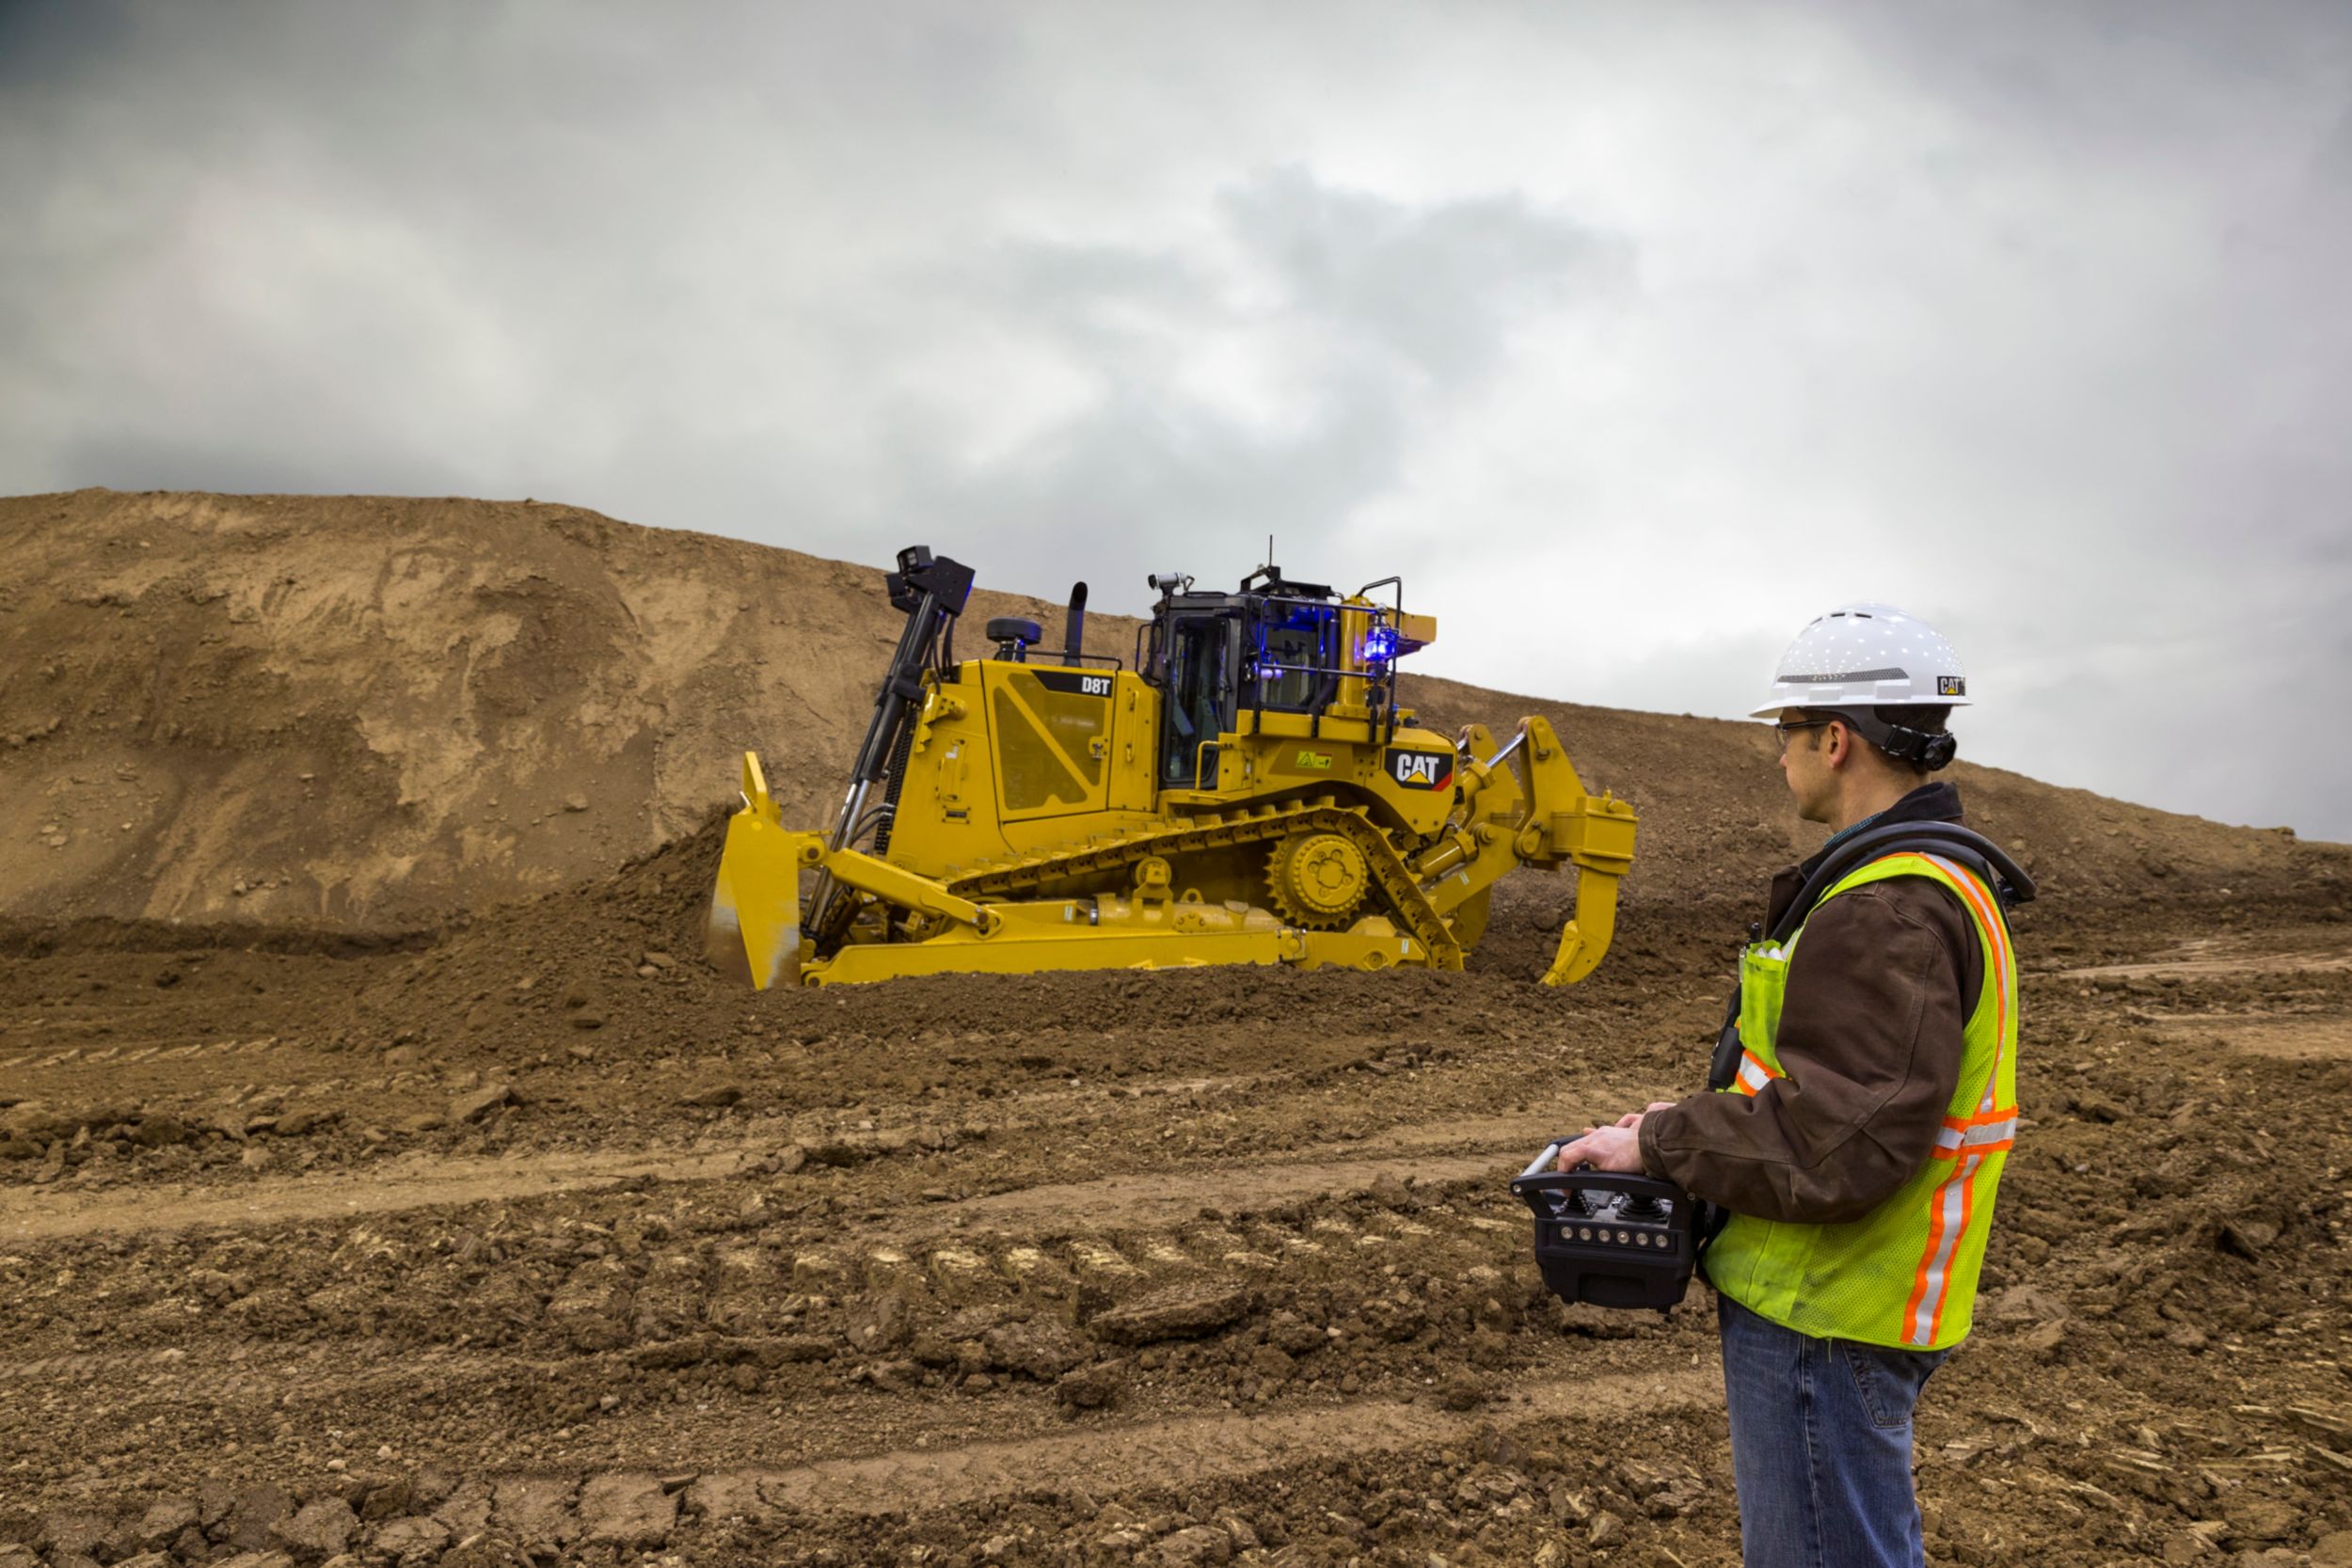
column 366, row 713
column 369, row 712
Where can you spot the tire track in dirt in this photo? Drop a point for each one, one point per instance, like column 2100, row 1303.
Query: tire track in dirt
column 127, row 1054
column 799, row 1308
column 2324, row 1037
column 1107, row 1460
column 29, row 1216
column 2188, row 964
column 933, row 1276
column 1105, row 1456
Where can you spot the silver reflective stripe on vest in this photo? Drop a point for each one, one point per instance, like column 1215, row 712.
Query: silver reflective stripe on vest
column 1950, row 1140
column 1953, row 1203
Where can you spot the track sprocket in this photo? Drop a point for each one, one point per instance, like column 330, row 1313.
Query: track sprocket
column 1317, row 879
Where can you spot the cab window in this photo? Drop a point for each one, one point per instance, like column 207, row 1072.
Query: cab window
column 1298, row 647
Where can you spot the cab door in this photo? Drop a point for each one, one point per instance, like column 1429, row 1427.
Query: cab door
column 1203, row 672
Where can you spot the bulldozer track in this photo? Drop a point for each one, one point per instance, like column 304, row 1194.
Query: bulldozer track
column 1107, row 1457
column 127, row 1056
column 1224, row 829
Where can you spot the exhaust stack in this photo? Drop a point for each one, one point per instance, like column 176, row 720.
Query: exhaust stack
column 1073, row 630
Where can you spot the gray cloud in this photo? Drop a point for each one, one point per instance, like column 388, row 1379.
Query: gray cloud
column 1274, row 391
column 1633, row 343
column 1438, row 288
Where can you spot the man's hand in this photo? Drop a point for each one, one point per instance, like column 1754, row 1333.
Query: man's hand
column 1617, row 1147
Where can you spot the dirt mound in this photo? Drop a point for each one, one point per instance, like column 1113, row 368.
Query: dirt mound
column 369, row 712
column 366, row 713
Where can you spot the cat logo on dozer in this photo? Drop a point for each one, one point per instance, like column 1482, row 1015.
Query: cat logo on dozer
column 1421, row 770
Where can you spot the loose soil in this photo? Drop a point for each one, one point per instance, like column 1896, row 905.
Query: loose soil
column 381, row 1212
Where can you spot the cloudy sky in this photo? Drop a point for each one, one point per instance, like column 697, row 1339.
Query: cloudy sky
column 1633, row 335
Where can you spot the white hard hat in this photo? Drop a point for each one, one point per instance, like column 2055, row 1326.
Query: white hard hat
column 1866, row 655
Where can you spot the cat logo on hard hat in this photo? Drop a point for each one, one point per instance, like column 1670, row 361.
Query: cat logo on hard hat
column 1420, row 770
column 1951, row 685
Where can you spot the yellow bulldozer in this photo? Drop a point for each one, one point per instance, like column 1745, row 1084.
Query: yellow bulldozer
column 1249, row 792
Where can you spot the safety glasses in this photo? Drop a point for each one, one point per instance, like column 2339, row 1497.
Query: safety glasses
column 1785, row 730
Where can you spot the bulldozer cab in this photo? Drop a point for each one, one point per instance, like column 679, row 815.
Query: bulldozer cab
column 1222, row 660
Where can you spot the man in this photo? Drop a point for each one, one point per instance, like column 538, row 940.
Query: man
column 1868, row 1101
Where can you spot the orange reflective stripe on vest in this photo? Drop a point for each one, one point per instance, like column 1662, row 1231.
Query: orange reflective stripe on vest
column 1948, row 1222
column 1995, row 932
column 1967, row 1140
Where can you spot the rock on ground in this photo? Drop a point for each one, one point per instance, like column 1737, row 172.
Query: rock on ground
column 1184, row 1314
column 1093, row 1388
column 481, row 1102
column 412, row 1537
column 1197, row 1545
column 535, row 1510
column 630, row 1511
column 323, row 1527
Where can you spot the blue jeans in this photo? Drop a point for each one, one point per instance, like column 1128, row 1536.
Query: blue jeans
column 1821, row 1445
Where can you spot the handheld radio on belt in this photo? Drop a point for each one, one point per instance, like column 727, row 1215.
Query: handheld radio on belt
column 1634, row 1240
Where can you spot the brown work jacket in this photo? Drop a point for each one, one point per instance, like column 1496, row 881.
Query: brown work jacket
column 1870, row 1038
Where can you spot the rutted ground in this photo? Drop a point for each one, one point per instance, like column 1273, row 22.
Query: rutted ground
column 925, row 1273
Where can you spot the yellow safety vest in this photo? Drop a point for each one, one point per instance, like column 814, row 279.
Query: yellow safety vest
column 1905, row 1274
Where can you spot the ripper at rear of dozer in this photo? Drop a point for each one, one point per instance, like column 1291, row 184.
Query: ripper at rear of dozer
column 1862, row 1102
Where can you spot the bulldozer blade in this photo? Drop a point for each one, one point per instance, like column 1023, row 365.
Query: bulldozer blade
column 753, row 932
